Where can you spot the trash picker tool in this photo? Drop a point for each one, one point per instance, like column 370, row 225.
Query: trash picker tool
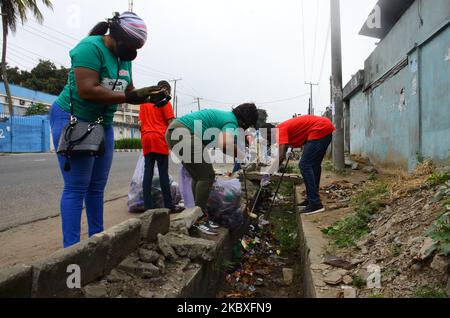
column 279, row 184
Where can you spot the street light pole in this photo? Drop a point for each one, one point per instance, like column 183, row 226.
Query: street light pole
column 336, row 65
column 311, row 108
column 175, row 98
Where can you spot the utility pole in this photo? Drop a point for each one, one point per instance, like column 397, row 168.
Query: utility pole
column 175, row 98
column 130, row 5
column 198, row 102
column 336, row 66
column 311, row 108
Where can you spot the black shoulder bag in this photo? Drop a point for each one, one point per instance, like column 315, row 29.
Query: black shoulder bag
column 83, row 138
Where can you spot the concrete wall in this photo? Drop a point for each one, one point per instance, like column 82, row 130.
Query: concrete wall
column 402, row 113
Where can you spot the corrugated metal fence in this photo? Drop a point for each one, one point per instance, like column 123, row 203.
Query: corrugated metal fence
column 24, row 134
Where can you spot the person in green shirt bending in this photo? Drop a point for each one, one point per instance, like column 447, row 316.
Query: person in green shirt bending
column 100, row 77
column 188, row 138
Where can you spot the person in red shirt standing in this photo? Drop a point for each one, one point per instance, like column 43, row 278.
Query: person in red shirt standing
column 314, row 134
column 154, row 122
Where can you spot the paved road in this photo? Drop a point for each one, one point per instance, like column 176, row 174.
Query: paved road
column 31, row 185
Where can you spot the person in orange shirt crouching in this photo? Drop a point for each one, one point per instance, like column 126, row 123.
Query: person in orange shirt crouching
column 314, row 134
column 154, row 122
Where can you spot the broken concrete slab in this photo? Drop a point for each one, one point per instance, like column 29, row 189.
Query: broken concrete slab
column 15, row 282
column 369, row 169
column 98, row 290
column 118, row 276
column 426, row 250
column 124, row 239
column 187, row 218
column 349, row 292
column 333, row 278
column 288, row 275
column 154, row 222
column 146, row 294
column 347, row 279
column 319, row 267
column 133, row 266
column 148, row 256
column 166, row 248
column 339, row 262
column 441, row 264
column 50, row 276
column 192, row 247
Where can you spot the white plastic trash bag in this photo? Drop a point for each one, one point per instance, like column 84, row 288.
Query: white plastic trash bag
column 186, row 188
column 136, row 192
column 224, row 204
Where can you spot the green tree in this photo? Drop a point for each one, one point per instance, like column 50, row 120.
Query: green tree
column 262, row 118
column 37, row 109
column 12, row 11
column 47, row 78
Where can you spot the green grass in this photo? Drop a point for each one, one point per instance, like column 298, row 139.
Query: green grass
column 327, row 165
column 429, row 292
column 128, row 143
column 440, row 233
column 347, row 231
column 358, row 281
column 285, row 228
column 438, row 178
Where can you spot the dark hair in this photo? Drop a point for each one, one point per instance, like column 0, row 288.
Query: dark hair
column 246, row 114
column 100, row 28
column 268, row 130
column 165, row 84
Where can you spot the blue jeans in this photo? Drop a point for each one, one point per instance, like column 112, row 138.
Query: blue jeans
column 311, row 166
column 85, row 182
column 163, row 169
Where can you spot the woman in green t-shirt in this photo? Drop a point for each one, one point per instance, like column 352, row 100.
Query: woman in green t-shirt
column 100, row 77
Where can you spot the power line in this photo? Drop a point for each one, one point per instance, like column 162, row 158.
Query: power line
column 325, row 50
column 70, row 44
column 64, row 42
column 315, row 38
column 303, row 38
column 55, row 30
column 17, row 62
column 13, row 45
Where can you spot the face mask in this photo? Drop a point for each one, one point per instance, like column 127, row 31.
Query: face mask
column 124, row 53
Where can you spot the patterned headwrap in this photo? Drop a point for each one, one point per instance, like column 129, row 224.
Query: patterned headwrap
column 133, row 26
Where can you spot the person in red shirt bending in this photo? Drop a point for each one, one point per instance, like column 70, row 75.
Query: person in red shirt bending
column 314, row 134
column 154, row 122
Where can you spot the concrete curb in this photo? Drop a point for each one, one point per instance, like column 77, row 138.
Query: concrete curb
column 311, row 244
column 15, row 282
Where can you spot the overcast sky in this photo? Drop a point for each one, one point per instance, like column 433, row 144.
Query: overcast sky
column 226, row 51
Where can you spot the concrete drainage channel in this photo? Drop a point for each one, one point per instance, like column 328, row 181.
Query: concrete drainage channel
column 149, row 256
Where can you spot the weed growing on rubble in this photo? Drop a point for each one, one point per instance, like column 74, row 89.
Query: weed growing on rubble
column 429, row 292
column 285, row 229
column 358, row 281
column 438, row 178
column 440, row 233
column 355, row 225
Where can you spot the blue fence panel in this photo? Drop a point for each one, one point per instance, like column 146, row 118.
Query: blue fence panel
column 29, row 134
column 5, row 135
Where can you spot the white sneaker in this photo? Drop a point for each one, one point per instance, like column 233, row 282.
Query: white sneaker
column 212, row 225
column 205, row 229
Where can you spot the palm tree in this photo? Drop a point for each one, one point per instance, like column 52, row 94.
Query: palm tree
column 12, row 11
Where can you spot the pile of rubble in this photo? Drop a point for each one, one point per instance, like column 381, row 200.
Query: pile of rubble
column 396, row 250
column 162, row 267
